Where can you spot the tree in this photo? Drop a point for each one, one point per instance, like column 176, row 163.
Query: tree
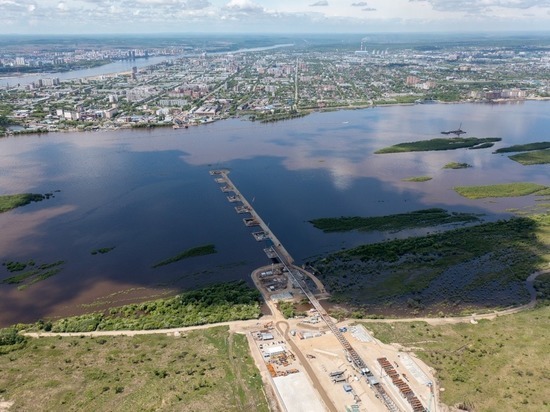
column 4, row 121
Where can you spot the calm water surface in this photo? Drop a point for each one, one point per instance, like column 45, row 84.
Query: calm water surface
column 149, row 193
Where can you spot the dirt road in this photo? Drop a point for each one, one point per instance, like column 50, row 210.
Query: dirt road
column 235, row 325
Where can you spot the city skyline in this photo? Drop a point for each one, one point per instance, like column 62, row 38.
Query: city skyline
column 262, row 16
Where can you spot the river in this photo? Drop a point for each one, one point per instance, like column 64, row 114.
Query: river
column 148, row 193
column 119, row 66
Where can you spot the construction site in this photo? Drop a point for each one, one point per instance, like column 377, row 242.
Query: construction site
column 313, row 363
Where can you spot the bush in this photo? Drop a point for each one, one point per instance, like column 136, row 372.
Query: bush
column 10, row 336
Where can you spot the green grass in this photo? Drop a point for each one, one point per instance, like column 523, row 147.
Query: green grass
column 500, row 190
column 498, row 365
column 207, row 369
column 537, row 157
column 438, row 144
column 524, row 147
column 217, row 303
column 9, row 202
column 456, row 165
column 418, row 179
column 197, row 251
column 472, row 267
column 419, row 218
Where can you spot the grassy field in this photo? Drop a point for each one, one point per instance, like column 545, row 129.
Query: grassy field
column 438, row 144
column 499, row 365
column 456, row 165
column 482, row 266
column 418, row 179
column 524, row 147
column 193, row 252
column 537, row 157
column 9, row 202
column 501, row 190
column 419, row 218
column 210, row 369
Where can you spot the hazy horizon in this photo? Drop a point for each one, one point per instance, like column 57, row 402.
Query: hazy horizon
column 66, row 17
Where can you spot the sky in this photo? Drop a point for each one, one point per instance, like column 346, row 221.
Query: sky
column 271, row 16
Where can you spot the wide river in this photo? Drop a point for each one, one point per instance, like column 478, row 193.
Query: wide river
column 148, row 193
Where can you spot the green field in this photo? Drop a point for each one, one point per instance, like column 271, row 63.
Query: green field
column 482, row 266
column 524, row 147
column 208, row 369
column 189, row 253
column 456, row 165
column 419, row 218
column 501, row 190
column 418, row 179
column 537, row 157
column 9, row 202
column 438, row 144
column 217, row 303
column 499, row 365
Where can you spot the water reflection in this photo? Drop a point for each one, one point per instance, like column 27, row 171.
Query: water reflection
column 148, row 193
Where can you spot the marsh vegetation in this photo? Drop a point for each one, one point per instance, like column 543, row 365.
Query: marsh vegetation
column 456, row 165
column 461, row 269
column 35, row 273
column 189, row 253
column 439, row 144
column 102, row 251
column 418, row 179
column 9, row 202
column 502, row 190
column 536, row 157
column 524, row 147
column 419, row 218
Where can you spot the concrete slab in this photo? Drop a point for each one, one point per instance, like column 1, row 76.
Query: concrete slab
column 297, row 393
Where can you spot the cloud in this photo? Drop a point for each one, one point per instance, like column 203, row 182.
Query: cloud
column 16, row 6
column 197, row 4
column 368, row 9
column 472, row 6
column 320, row 3
column 244, row 6
column 360, row 4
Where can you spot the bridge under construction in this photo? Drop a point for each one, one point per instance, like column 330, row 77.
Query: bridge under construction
column 296, row 276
